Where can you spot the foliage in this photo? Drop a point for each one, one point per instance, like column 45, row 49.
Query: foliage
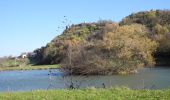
column 107, row 46
column 55, row 51
column 123, row 49
column 129, row 47
column 158, row 22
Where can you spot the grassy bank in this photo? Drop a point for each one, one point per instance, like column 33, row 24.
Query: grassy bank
column 29, row 67
column 21, row 64
column 89, row 94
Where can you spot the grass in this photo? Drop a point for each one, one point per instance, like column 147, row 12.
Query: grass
column 21, row 64
column 89, row 94
column 29, row 67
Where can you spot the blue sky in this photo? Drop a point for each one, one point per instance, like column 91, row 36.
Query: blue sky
column 29, row 24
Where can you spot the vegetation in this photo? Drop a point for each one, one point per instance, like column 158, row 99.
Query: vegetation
column 13, row 62
column 105, row 47
column 121, row 50
column 158, row 23
column 21, row 64
column 55, row 51
column 89, row 94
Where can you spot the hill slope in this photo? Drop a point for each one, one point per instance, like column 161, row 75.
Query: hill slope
column 158, row 23
column 55, row 51
column 106, row 47
column 99, row 48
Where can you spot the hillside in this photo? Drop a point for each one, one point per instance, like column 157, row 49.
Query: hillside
column 55, row 51
column 158, row 23
column 103, row 47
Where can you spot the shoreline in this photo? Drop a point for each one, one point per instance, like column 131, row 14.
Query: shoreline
column 29, row 67
column 44, row 67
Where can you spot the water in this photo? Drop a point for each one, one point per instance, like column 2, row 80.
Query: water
column 155, row 78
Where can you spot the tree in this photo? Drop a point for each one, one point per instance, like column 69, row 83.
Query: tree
column 158, row 23
column 123, row 49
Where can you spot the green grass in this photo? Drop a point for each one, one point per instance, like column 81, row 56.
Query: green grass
column 22, row 64
column 29, row 67
column 89, row 94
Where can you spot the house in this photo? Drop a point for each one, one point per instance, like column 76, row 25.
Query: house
column 23, row 55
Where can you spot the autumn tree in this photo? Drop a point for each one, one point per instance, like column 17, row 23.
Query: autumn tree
column 122, row 49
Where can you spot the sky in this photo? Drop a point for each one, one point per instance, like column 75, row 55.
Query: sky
column 26, row 25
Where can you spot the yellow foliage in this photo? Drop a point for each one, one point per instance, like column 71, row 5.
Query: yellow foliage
column 130, row 44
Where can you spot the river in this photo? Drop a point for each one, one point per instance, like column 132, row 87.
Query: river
column 147, row 78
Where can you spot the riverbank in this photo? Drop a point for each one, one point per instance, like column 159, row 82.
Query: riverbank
column 89, row 94
column 29, row 67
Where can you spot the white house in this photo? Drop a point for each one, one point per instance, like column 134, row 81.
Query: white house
column 24, row 55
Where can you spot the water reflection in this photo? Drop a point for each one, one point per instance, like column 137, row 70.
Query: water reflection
column 156, row 78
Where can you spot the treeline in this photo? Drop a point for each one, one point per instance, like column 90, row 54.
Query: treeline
column 106, row 47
